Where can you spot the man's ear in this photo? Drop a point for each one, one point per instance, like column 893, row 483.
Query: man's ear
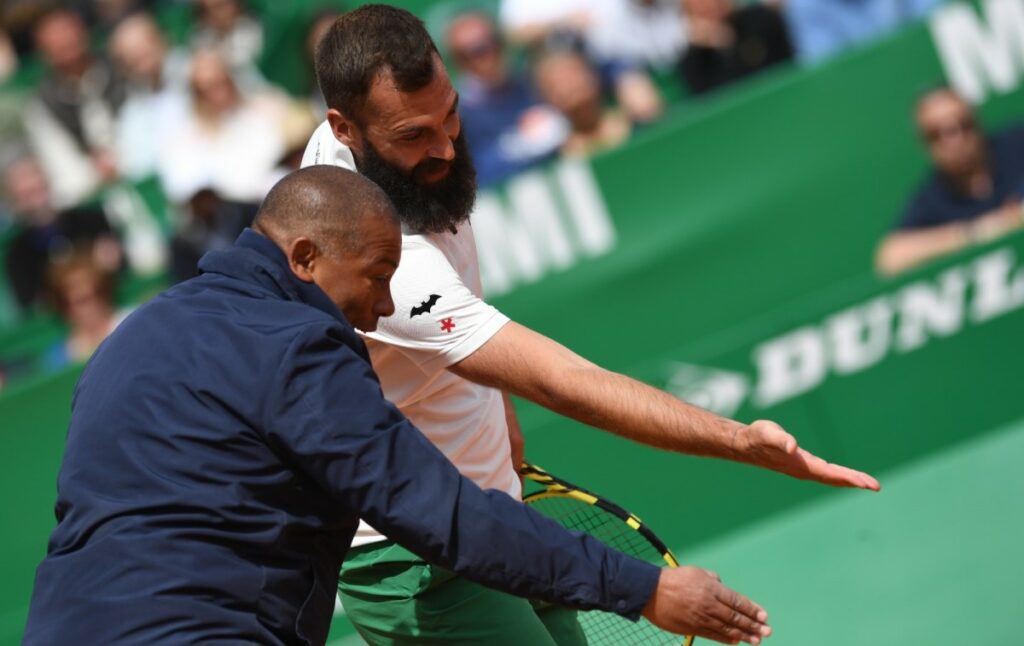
column 302, row 257
column 345, row 129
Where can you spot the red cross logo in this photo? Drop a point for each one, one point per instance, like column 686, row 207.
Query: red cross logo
column 447, row 325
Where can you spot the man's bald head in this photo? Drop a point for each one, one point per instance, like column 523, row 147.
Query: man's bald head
column 326, row 204
column 339, row 231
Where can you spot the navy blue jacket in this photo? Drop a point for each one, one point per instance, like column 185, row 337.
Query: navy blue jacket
column 224, row 441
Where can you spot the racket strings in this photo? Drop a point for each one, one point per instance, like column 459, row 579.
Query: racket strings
column 603, row 627
column 610, row 530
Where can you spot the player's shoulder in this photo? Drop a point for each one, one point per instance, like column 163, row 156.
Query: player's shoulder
column 428, row 254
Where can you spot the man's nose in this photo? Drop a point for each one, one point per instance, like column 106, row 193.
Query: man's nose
column 442, row 147
column 386, row 306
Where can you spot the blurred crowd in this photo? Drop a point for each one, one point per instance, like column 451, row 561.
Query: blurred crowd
column 108, row 121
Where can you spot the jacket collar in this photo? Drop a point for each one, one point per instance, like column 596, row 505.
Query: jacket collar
column 254, row 258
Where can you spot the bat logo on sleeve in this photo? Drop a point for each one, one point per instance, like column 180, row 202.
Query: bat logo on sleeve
column 425, row 306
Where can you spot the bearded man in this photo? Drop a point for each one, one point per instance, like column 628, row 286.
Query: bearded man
column 448, row 359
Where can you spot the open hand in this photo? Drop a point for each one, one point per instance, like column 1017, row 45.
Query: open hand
column 766, row 445
column 692, row 601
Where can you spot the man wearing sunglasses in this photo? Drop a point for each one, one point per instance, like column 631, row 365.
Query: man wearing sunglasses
column 972, row 195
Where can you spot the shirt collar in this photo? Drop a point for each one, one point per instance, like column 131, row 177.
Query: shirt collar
column 255, row 258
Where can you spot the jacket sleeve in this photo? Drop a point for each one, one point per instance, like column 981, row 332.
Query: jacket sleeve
column 328, row 415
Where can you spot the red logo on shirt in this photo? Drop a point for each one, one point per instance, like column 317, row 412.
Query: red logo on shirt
column 447, row 325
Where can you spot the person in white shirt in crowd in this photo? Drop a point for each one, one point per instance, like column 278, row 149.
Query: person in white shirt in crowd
column 213, row 146
column 156, row 76
column 70, row 120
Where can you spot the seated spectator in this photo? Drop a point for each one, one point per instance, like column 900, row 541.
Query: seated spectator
column 156, row 78
column 821, row 28
column 226, row 27
column 70, row 122
column 44, row 233
column 82, row 293
column 507, row 127
column 569, row 83
column 727, row 43
column 228, row 141
column 211, row 223
column 597, row 28
column 972, row 195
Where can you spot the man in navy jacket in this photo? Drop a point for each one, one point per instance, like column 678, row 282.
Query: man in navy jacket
column 228, row 435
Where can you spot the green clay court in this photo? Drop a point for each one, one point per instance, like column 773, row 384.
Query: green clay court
column 934, row 559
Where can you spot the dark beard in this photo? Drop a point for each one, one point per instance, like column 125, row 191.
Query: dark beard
column 425, row 208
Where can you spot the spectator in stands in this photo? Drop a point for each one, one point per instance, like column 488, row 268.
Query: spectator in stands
column 569, row 83
column 597, row 29
column 507, row 127
column 44, row 233
column 82, row 293
column 70, row 122
column 972, row 195
column 228, row 142
column 157, row 86
column 821, row 28
column 727, row 43
column 210, row 223
column 225, row 26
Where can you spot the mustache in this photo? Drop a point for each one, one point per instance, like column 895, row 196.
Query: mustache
column 430, row 167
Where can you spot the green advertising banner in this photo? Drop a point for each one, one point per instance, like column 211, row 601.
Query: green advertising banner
column 725, row 255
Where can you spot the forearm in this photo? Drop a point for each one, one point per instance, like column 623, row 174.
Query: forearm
column 905, row 249
column 536, row 368
column 487, row 536
column 636, row 411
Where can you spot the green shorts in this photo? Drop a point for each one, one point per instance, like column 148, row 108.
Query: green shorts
column 393, row 597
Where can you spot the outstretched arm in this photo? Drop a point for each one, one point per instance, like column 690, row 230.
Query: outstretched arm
column 530, row 365
column 330, row 419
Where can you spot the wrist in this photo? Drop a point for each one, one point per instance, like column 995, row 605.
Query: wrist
column 650, row 608
column 737, row 441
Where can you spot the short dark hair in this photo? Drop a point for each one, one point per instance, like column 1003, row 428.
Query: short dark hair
column 325, row 203
column 365, row 43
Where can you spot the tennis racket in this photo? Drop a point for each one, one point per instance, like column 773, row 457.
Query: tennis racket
column 580, row 510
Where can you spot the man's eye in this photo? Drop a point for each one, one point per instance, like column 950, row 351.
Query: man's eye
column 412, row 136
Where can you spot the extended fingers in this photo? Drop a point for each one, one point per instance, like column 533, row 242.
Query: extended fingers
column 735, row 601
column 838, row 475
column 722, row 632
column 735, row 624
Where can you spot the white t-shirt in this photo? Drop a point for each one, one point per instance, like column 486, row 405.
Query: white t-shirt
column 440, row 319
column 228, row 159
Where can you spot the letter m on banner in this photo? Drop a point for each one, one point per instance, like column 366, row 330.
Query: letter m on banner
column 981, row 53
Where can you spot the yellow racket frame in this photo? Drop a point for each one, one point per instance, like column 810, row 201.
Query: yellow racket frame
column 557, row 488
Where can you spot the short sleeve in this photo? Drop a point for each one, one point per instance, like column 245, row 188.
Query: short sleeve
column 438, row 320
